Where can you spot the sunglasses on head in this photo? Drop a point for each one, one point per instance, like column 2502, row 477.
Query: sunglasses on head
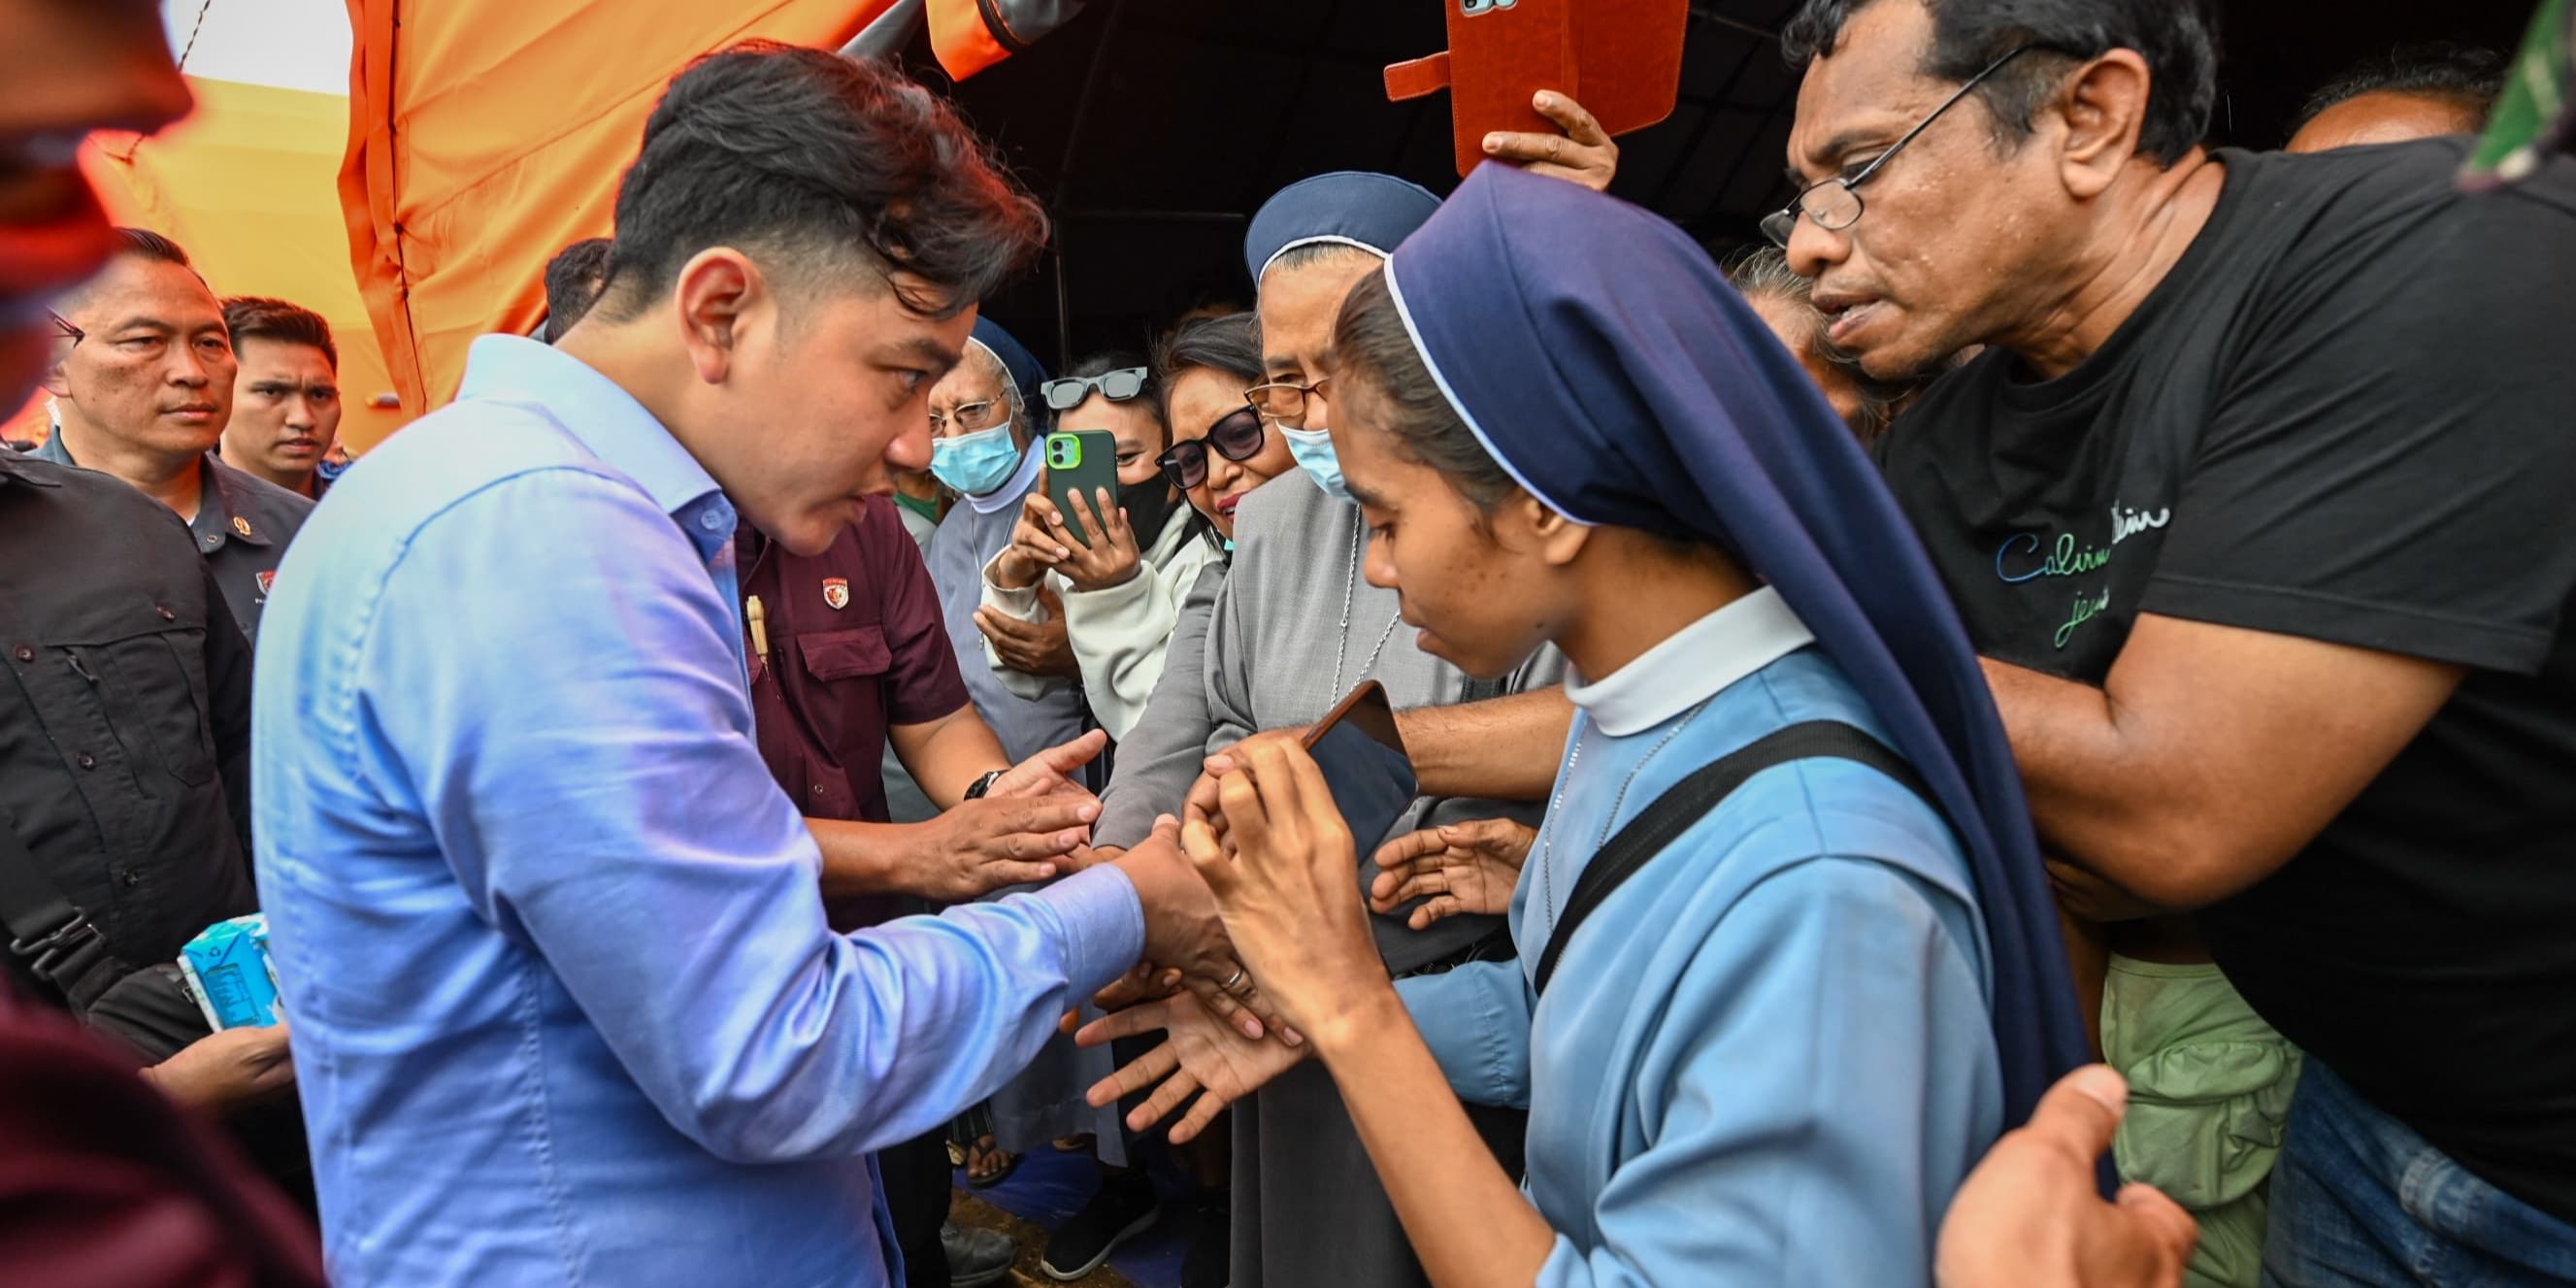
column 1116, row 386
column 1238, row 437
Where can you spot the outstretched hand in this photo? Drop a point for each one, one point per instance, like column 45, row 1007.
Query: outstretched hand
column 1202, row 1057
column 1458, row 868
column 2029, row 1216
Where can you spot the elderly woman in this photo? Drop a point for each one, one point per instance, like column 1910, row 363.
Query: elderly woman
column 1787, row 964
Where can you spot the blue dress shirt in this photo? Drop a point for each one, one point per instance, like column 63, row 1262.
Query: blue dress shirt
column 565, row 1007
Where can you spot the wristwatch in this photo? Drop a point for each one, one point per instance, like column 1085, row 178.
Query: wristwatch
column 983, row 785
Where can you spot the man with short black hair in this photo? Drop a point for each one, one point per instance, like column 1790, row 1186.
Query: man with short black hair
column 551, row 934
column 286, row 397
column 2256, row 505
column 2418, row 91
column 574, row 279
column 144, row 387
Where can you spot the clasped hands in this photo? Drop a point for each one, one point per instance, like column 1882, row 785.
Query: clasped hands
column 1263, row 835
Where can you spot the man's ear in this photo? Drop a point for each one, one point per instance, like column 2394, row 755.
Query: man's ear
column 2104, row 105
column 58, row 381
column 717, row 290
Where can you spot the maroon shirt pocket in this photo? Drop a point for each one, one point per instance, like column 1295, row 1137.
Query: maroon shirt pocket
column 842, row 694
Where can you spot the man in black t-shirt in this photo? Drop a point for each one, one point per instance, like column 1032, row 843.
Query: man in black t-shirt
column 2259, row 504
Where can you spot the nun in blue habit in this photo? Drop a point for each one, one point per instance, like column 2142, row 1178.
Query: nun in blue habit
column 1771, row 1054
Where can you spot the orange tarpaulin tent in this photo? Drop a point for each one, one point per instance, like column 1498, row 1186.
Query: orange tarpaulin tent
column 485, row 135
column 246, row 185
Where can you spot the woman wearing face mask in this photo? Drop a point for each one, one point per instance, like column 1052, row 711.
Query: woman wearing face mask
column 1121, row 565
column 1220, row 448
column 1764, row 1036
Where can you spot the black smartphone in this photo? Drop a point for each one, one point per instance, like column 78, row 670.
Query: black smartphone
column 1365, row 764
column 1084, row 462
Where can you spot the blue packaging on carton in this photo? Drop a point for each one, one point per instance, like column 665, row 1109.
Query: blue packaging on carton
column 228, row 973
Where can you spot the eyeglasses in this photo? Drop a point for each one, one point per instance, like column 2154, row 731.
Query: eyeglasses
column 1238, row 437
column 1116, row 386
column 1284, row 401
column 1832, row 203
column 64, row 325
column 969, row 417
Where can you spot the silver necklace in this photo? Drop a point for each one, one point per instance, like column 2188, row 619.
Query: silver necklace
column 1342, row 636
column 1556, row 807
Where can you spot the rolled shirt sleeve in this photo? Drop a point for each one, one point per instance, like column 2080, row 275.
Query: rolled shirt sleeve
column 1160, row 759
column 1121, row 634
column 592, row 778
column 926, row 686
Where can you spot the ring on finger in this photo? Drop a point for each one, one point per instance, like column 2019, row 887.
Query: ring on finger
column 1233, row 980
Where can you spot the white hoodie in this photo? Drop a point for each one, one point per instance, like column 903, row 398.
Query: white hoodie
column 1118, row 633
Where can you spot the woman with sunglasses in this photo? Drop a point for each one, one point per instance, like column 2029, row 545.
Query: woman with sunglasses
column 1121, row 565
column 1220, row 448
column 1763, row 1035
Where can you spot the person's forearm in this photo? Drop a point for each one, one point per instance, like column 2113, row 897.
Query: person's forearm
column 947, row 755
column 865, row 858
column 1502, row 749
column 2093, row 805
column 1467, row 1221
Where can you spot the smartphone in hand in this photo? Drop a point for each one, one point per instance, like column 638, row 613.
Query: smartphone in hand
column 1083, row 462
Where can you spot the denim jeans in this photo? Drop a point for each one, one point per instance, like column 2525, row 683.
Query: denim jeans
column 2360, row 1201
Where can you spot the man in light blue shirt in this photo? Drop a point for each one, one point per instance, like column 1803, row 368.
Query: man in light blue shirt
column 566, row 1009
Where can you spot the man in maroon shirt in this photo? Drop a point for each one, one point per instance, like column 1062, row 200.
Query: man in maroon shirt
column 848, row 654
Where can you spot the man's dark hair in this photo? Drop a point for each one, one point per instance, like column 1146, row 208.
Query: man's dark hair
column 257, row 317
column 147, row 244
column 574, row 278
column 2468, row 76
column 817, row 161
column 2178, row 39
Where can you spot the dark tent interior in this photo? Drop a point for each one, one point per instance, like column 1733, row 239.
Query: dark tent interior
column 1153, row 128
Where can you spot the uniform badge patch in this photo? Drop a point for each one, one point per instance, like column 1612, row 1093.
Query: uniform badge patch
column 836, row 592
column 241, row 525
column 266, row 580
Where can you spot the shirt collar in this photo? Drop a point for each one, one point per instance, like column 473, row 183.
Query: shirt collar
column 222, row 514
column 1022, row 479
column 13, row 469
column 1696, row 664
column 592, row 408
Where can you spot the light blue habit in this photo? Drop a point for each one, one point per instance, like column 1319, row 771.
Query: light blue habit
column 1768, row 1058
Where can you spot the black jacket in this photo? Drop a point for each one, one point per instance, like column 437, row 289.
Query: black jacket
column 125, row 722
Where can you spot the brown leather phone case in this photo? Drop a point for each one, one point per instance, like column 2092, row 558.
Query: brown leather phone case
column 1621, row 59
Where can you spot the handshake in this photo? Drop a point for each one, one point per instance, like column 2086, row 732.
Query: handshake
column 1259, row 952
column 1256, row 933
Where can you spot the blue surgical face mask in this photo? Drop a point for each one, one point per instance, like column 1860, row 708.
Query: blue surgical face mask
column 1313, row 449
column 975, row 463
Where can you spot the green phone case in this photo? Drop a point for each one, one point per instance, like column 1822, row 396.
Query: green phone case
column 1085, row 461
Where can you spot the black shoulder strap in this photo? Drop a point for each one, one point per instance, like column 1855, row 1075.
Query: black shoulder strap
column 1690, row 800
column 61, row 946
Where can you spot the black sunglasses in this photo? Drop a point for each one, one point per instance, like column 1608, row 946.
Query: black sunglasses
column 1116, row 386
column 1238, row 437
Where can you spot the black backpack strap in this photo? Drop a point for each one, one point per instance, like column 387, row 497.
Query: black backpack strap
column 1688, row 801
column 57, row 941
